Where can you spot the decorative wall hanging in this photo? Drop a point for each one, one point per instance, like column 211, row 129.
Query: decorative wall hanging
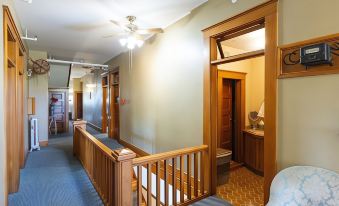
column 39, row 66
column 317, row 56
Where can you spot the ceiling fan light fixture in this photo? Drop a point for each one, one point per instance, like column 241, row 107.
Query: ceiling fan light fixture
column 123, row 42
column 131, row 42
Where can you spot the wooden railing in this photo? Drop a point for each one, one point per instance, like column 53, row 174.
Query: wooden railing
column 170, row 178
column 109, row 171
column 178, row 177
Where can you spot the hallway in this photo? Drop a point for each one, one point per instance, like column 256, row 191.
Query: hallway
column 53, row 176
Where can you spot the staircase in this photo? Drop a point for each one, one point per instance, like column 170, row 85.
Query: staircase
column 170, row 178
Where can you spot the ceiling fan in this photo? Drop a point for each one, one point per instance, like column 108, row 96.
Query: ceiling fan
column 133, row 35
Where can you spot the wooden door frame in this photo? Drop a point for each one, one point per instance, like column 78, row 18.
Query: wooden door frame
column 266, row 12
column 104, row 113
column 112, row 110
column 75, row 104
column 239, row 107
column 66, row 93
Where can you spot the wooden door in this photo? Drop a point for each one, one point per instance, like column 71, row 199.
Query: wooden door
column 58, row 110
column 78, row 105
column 226, row 134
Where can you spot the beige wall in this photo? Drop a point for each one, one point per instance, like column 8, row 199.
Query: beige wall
column 77, row 84
column 38, row 88
column 164, row 88
column 255, row 81
column 309, row 106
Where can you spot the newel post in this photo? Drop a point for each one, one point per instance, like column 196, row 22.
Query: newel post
column 82, row 125
column 123, row 176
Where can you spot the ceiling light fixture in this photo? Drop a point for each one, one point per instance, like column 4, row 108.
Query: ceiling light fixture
column 234, row 1
column 28, row 1
column 131, row 42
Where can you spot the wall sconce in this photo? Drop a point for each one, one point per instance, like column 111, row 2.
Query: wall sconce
column 91, row 86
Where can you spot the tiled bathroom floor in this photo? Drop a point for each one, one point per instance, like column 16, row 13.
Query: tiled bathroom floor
column 244, row 188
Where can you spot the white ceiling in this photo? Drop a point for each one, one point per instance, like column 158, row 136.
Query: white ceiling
column 73, row 29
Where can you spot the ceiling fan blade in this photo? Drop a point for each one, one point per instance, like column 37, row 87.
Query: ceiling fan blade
column 121, row 25
column 115, row 35
column 150, row 31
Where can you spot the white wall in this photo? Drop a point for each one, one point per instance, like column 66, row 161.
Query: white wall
column 38, row 88
column 92, row 105
column 58, row 75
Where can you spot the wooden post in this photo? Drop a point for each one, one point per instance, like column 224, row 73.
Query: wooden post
column 123, row 176
column 81, row 124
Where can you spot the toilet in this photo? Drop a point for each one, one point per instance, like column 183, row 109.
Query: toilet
column 224, row 157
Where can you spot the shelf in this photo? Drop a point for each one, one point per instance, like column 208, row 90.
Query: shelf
column 10, row 63
column 292, row 51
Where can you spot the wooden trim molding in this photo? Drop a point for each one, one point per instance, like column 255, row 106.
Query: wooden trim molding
column 239, row 57
column 298, row 70
column 266, row 12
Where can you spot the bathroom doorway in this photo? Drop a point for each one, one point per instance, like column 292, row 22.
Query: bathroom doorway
column 231, row 115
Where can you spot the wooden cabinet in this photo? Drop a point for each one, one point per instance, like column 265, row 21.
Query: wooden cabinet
column 254, row 150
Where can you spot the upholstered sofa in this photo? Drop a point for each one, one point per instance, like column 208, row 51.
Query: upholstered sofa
column 305, row 186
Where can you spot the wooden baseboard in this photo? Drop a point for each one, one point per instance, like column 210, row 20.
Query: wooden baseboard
column 99, row 129
column 43, row 143
column 25, row 160
column 138, row 151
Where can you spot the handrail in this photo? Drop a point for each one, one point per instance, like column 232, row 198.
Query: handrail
column 167, row 155
column 109, row 170
column 172, row 178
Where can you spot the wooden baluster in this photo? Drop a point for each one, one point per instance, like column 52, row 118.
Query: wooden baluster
column 182, row 183
column 202, row 165
column 196, row 175
column 139, row 181
column 166, row 182
column 189, row 191
column 174, row 181
column 149, row 184
column 158, row 184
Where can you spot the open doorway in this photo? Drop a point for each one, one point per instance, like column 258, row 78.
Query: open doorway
column 78, row 108
column 261, row 17
column 110, row 103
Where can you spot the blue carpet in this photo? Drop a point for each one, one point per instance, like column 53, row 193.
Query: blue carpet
column 212, row 201
column 54, row 177
column 103, row 137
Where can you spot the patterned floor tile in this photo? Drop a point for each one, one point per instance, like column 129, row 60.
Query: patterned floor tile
column 243, row 188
